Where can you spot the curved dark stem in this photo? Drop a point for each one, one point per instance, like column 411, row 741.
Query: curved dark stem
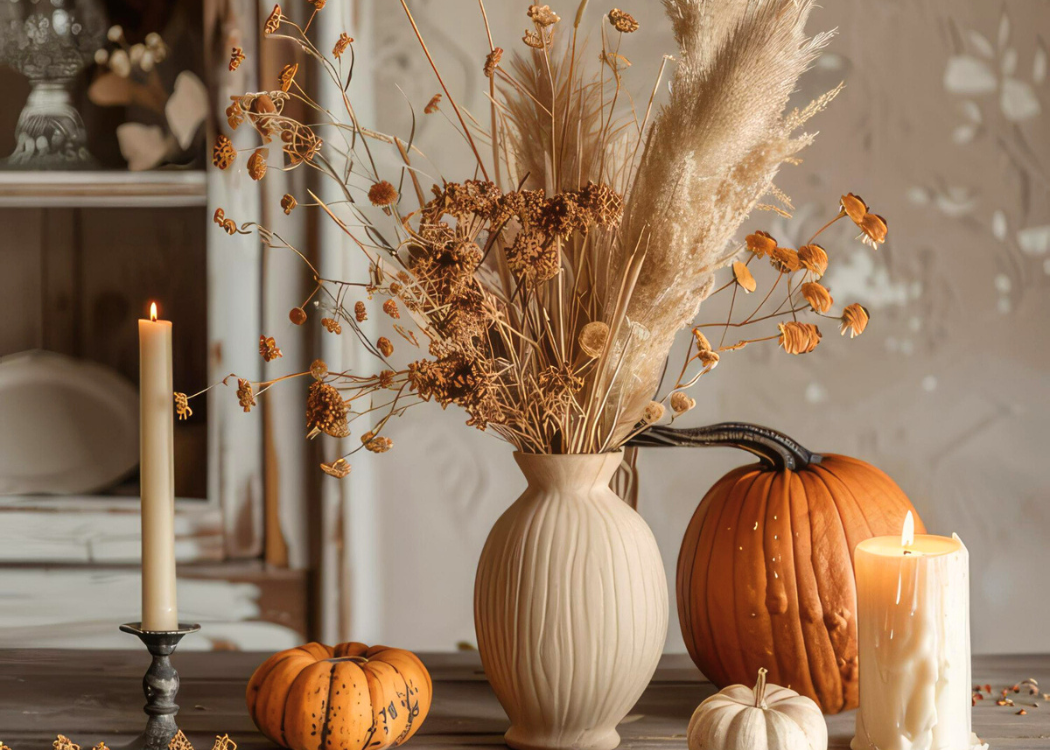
column 772, row 447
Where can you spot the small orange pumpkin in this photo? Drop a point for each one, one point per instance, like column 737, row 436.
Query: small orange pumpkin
column 350, row 697
column 765, row 573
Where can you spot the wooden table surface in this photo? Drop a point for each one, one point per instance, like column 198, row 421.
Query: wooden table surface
column 96, row 695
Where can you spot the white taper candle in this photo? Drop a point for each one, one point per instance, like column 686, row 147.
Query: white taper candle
column 157, row 470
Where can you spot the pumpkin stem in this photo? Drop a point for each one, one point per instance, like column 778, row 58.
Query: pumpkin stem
column 760, row 689
column 772, row 447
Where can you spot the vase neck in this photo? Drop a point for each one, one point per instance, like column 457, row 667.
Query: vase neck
column 561, row 471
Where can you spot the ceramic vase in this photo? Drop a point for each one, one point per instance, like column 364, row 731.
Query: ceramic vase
column 570, row 605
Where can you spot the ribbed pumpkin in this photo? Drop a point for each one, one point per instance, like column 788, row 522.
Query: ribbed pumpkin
column 350, row 697
column 765, row 573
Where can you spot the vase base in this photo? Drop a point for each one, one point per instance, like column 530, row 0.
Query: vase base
column 594, row 739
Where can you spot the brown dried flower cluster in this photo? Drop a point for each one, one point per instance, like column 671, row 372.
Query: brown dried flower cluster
column 341, row 45
column 245, row 394
column 182, row 406
column 331, row 325
column 268, row 348
column 492, row 60
column 236, row 58
column 223, row 153
column 542, row 295
column 326, row 411
column 382, row 194
column 339, row 468
column 287, row 76
column 622, row 22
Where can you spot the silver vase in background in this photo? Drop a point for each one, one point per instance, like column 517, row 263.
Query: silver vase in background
column 50, row 42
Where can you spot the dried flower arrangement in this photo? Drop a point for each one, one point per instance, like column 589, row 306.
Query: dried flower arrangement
column 543, row 296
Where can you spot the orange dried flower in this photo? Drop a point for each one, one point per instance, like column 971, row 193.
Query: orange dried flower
column 384, row 346
column 223, row 153
column 230, row 226
column 236, row 58
column 179, row 742
column 287, row 75
column 432, row 105
column 743, row 277
column 319, row 369
column 297, row 315
column 874, row 230
column 376, row 444
column 234, row 115
column 813, row 258
column 182, row 406
column 341, row 44
column 702, row 344
column 360, row 312
column 622, row 22
column 798, row 338
column 390, row 308
column 245, row 395
column 219, row 216
column 817, row 296
column 492, row 61
column 273, row 22
column 854, row 319
column 318, row 4
column 257, row 164
column 268, row 349
column 785, row 260
column 326, row 411
column 338, row 468
column 64, row 743
column 331, row 325
column 532, row 39
column 288, row 203
column 386, row 378
column 542, row 15
column 854, row 207
column 708, row 359
column 382, row 193
column 761, row 243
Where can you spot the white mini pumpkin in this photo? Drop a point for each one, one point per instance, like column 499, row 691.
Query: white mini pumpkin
column 769, row 717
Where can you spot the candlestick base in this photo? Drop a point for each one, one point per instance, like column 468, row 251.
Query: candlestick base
column 160, row 684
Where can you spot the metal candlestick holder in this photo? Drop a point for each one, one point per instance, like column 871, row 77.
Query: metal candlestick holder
column 160, row 684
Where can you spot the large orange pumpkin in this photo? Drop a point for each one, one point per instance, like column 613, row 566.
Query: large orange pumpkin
column 765, row 573
column 350, row 697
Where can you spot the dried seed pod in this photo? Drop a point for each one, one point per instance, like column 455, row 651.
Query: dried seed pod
column 297, row 315
column 593, row 338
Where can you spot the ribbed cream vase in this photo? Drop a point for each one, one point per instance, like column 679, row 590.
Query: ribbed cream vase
column 570, row 605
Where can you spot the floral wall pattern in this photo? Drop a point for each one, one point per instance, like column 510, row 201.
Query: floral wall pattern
column 944, row 129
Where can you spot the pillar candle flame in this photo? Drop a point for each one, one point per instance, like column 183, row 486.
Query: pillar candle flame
column 908, row 533
column 153, row 311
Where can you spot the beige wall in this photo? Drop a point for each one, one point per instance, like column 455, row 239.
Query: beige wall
column 944, row 128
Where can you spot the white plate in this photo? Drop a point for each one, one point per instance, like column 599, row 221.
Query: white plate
column 66, row 426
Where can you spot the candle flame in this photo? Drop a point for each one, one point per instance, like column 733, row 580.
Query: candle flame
column 908, row 533
column 153, row 311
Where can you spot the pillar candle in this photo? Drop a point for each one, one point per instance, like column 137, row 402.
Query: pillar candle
column 157, row 469
column 913, row 620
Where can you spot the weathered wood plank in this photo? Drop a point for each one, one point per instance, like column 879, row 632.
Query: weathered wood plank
column 95, row 695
